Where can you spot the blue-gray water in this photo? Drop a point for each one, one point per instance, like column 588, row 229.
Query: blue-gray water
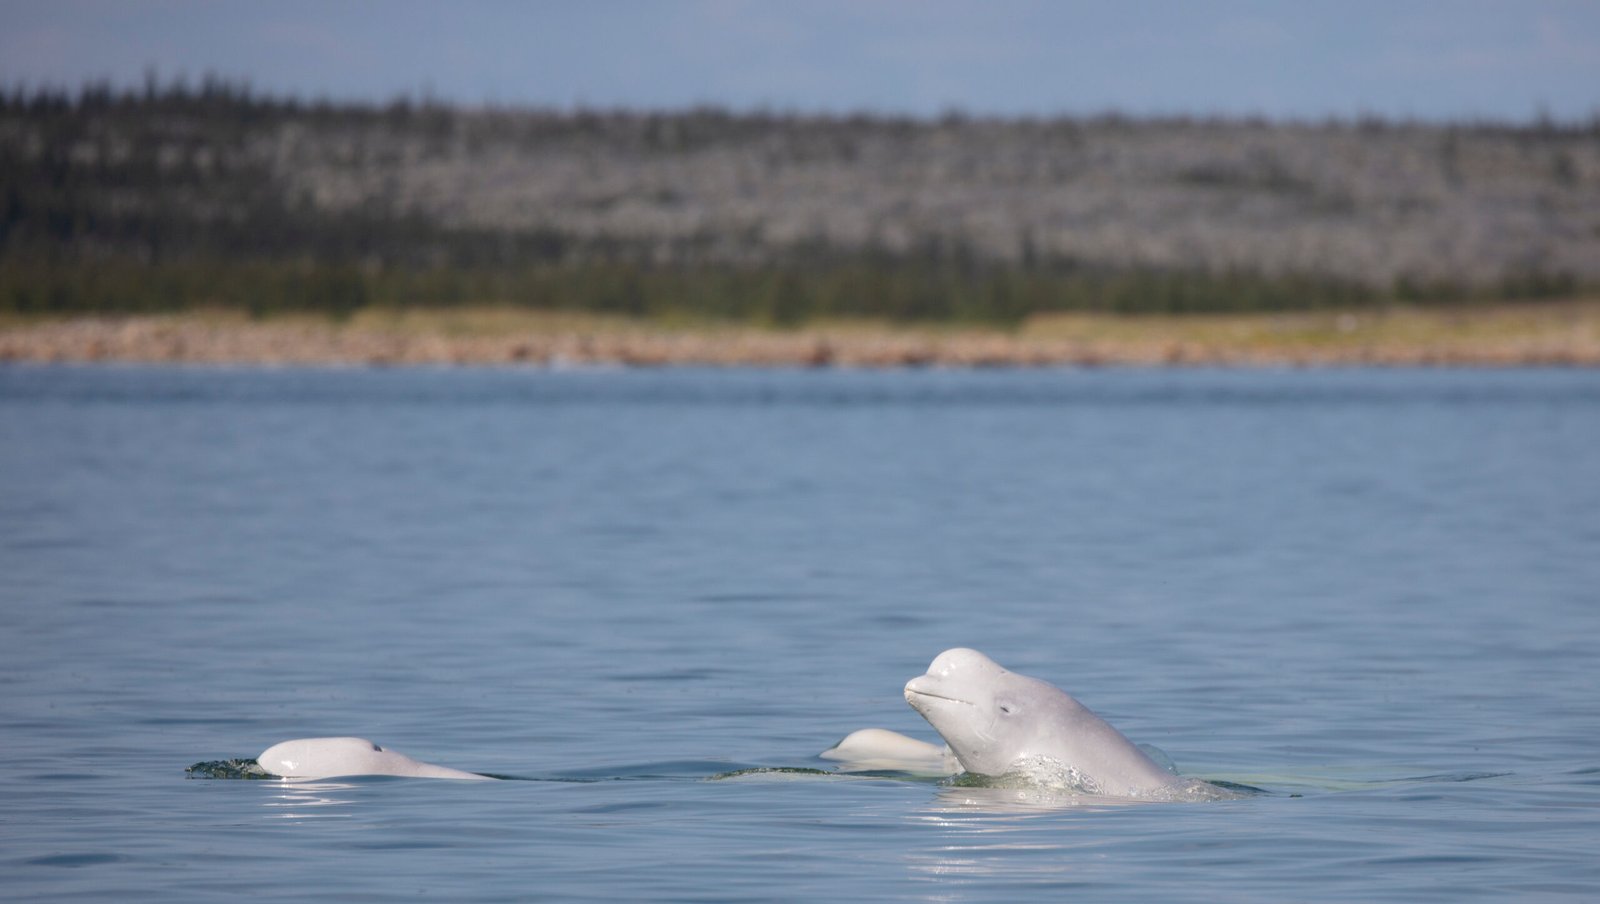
column 1372, row 593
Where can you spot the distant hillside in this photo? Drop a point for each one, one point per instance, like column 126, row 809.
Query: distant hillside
column 179, row 196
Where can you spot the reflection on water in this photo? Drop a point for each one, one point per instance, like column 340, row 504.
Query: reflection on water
column 296, row 801
column 995, row 833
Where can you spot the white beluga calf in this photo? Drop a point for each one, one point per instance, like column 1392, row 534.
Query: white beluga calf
column 307, row 759
column 999, row 723
column 881, row 750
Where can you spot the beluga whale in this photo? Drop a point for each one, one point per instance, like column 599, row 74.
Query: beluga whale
column 882, row 750
column 998, row 723
column 310, row 759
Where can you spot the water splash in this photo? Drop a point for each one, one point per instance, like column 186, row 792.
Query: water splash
column 246, row 769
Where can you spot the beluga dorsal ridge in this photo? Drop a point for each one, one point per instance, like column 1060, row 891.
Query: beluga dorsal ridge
column 1000, row 723
column 307, row 759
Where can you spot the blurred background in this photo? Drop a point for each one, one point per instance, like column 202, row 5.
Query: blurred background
column 950, row 163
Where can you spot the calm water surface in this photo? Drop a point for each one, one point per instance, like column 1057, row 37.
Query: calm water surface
column 1371, row 593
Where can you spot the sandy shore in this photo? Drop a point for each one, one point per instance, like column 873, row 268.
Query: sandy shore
column 1557, row 333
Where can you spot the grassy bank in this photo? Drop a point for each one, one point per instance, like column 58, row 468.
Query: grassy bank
column 1547, row 333
column 938, row 288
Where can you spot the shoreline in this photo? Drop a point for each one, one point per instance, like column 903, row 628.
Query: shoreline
column 1565, row 333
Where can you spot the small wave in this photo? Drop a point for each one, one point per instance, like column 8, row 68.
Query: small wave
column 772, row 772
column 246, row 769
column 1455, row 777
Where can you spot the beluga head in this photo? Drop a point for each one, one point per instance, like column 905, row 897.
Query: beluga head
column 1000, row 723
column 987, row 715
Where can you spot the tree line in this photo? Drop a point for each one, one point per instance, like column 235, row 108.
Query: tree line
column 168, row 197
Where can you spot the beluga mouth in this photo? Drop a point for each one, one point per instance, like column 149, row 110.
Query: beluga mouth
column 913, row 692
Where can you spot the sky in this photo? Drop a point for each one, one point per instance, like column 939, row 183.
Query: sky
column 1307, row 59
